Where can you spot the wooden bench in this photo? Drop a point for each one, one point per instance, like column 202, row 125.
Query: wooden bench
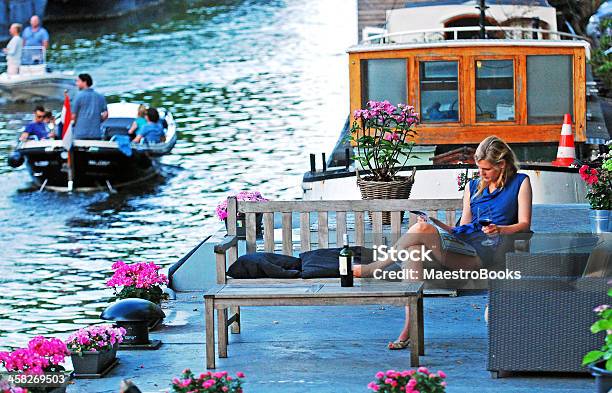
column 362, row 214
column 401, row 294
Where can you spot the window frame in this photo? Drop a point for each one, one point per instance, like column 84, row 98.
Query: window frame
column 364, row 76
column 518, row 91
column 416, row 74
column 573, row 71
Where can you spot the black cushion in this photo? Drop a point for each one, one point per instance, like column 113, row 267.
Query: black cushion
column 265, row 265
column 323, row 263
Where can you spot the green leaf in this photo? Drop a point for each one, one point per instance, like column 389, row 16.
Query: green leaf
column 591, row 357
column 609, row 365
column 601, row 325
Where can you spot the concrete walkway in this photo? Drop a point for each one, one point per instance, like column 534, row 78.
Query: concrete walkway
column 326, row 349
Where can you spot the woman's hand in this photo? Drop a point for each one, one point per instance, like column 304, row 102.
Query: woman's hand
column 356, row 270
column 491, row 229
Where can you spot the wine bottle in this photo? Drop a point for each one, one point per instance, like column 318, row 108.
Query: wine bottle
column 346, row 264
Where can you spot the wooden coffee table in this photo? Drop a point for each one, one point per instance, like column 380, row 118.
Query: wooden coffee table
column 222, row 297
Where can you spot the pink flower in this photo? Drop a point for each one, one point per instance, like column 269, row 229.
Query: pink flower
column 388, row 381
column 390, row 372
column 601, row 308
column 380, row 375
column 441, row 374
column 423, row 370
column 240, row 374
column 443, row 384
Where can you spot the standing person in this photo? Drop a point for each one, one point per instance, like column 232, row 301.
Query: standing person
column 88, row 110
column 37, row 128
column 13, row 50
column 37, row 36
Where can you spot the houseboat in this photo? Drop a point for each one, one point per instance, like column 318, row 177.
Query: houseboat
column 514, row 76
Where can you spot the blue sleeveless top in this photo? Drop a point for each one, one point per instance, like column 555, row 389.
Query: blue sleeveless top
column 501, row 206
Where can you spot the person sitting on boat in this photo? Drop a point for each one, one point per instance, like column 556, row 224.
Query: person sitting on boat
column 49, row 120
column 38, row 128
column 13, row 50
column 152, row 132
column 140, row 120
column 88, row 110
column 500, row 190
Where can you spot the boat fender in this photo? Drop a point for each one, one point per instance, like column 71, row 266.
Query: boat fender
column 15, row 159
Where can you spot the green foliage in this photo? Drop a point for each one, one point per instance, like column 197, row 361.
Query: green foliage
column 603, row 324
column 152, row 294
column 602, row 64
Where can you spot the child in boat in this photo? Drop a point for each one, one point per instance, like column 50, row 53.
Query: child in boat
column 140, row 120
column 49, row 121
column 152, row 132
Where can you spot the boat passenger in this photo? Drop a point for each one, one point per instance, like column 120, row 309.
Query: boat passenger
column 501, row 191
column 49, row 121
column 88, row 110
column 35, row 34
column 13, row 50
column 152, row 132
column 140, row 120
column 38, row 128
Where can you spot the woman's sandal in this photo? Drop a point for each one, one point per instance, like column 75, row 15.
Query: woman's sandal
column 399, row 344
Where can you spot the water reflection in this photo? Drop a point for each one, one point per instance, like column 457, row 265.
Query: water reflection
column 255, row 86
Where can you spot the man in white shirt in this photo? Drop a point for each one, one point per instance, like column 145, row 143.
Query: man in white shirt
column 13, row 50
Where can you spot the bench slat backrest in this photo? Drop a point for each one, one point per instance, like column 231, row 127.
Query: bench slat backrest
column 359, row 208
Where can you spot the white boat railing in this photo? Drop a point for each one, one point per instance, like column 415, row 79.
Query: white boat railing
column 440, row 34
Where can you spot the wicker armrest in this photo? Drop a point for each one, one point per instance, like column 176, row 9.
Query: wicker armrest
column 547, row 264
column 227, row 243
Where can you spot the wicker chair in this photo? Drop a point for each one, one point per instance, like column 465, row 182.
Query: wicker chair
column 541, row 322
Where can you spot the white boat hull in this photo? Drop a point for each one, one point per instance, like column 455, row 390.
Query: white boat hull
column 549, row 187
column 35, row 87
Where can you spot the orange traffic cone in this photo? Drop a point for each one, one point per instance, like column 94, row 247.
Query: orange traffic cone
column 566, row 153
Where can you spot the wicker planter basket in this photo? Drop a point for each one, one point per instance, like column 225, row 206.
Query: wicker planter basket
column 396, row 189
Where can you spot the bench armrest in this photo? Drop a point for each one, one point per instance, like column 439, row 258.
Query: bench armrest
column 227, row 243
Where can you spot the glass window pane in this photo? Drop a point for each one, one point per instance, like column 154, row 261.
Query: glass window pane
column 549, row 89
column 384, row 79
column 494, row 90
column 439, row 91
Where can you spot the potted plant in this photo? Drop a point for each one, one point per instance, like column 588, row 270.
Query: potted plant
column 138, row 280
column 382, row 134
column 409, row 381
column 600, row 361
column 42, row 356
column 6, row 387
column 252, row 196
column 94, row 348
column 218, row 382
column 598, row 177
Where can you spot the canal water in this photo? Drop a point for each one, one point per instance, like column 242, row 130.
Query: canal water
column 255, row 87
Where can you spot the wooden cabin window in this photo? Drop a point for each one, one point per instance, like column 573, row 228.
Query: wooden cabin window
column 439, row 89
column 549, row 88
column 384, row 79
column 494, row 90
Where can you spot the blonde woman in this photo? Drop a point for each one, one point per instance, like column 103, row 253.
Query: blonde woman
column 13, row 50
column 140, row 120
column 500, row 192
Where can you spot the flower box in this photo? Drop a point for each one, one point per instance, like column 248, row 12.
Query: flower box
column 93, row 362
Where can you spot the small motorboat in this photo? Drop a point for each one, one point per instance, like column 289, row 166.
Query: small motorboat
column 36, row 80
column 92, row 165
